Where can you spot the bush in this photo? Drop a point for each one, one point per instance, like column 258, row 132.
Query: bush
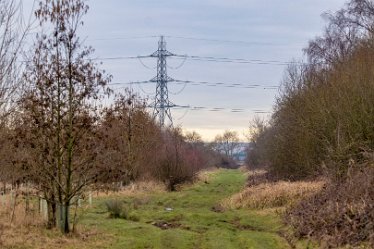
column 177, row 161
column 115, row 208
column 342, row 214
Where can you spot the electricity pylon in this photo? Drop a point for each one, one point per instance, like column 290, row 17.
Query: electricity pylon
column 162, row 104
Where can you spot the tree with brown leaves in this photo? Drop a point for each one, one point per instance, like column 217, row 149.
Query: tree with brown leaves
column 60, row 107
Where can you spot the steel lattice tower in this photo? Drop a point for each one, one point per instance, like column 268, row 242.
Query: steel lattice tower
column 162, row 104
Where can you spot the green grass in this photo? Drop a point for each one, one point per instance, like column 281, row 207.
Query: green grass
column 195, row 224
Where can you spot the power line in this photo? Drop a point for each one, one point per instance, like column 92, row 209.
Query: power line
column 220, row 109
column 229, row 85
column 206, row 83
column 237, row 42
column 179, row 66
column 144, row 65
column 162, row 105
column 220, row 41
column 122, row 38
column 209, row 59
column 238, row 60
column 120, row 58
column 181, row 90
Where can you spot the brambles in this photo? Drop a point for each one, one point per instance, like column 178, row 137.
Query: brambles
column 341, row 214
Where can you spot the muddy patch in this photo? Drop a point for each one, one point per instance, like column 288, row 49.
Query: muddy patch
column 166, row 225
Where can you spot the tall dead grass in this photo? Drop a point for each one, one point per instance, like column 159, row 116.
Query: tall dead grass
column 206, row 174
column 273, row 194
column 27, row 229
column 133, row 189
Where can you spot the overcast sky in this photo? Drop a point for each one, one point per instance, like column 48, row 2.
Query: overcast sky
column 264, row 30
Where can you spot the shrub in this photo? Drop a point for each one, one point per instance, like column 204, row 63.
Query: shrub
column 119, row 209
column 177, row 161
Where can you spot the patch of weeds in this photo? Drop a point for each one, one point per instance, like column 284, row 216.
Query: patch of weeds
column 114, row 208
column 119, row 209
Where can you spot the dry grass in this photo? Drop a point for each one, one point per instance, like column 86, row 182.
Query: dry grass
column 135, row 189
column 28, row 230
column 244, row 169
column 257, row 172
column 273, row 194
column 206, row 174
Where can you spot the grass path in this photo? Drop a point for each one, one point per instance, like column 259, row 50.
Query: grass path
column 195, row 221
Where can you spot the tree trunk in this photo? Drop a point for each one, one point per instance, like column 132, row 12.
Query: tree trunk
column 64, row 217
column 171, row 185
column 51, row 214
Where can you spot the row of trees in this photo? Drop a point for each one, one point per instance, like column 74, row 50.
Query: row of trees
column 324, row 116
column 323, row 124
column 57, row 138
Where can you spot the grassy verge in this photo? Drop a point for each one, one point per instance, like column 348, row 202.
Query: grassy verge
column 195, row 219
column 190, row 218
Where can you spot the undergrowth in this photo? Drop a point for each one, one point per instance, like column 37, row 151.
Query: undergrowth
column 340, row 215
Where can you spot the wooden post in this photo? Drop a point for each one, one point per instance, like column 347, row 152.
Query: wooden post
column 90, row 198
column 40, row 205
column 12, row 199
column 44, row 208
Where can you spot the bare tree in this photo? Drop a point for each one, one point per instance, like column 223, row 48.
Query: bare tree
column 227, row 143
column 13, row 31
column 193, row 137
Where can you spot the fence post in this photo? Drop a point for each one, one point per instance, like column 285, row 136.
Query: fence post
column 90, row 198
column 45, row 209
column 12, row 199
